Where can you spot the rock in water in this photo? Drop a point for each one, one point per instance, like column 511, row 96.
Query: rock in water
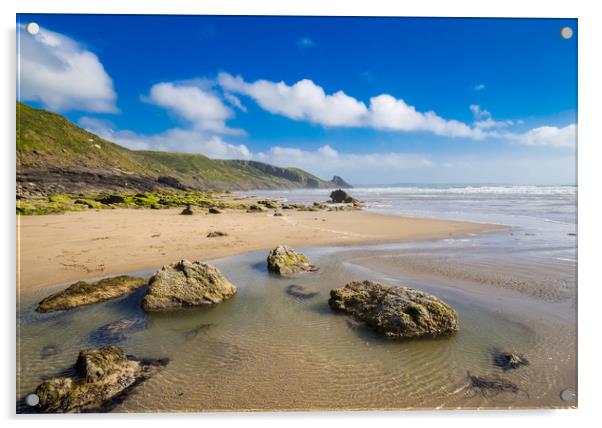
column 300, row 291
column 101, row 375
column 283, row 260
column 184, row 284
column 83, row 293
column 509, row 360
column 396, row 312
column 116, row 331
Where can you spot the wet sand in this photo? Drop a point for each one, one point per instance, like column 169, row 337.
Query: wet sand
column 55, row 249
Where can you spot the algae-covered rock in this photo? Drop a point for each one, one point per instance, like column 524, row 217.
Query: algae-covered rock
column 101, row 374
column 255, row 208
column 184, row 284
column 283, row 260
column 396, row 312
column 84, row 293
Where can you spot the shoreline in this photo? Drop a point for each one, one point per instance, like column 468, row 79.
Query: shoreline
column 56, row 249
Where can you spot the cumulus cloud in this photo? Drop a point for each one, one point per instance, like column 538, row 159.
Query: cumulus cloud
column 479, row 87
column 484, row 119
column 305, row 100
column 62, row 74
column 173, row 140
column 547, row 136
column 201, row 107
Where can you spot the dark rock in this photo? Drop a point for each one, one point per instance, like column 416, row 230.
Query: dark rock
column 269, row 204
column 283, row 260
column 214, row 210
column 111, row 199
column 187, row 211
column 341, row 197
column 396, row 312
column 491, row 386
column 278, row 214
column 509, row 360
column 300, row 291
column 185, row 284
column 83, row 293
column 101, row 374
column 116, row 331
column 216, row 234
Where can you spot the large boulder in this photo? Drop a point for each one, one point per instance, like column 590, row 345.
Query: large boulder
column 283, row 260
column 184, row 284
column 101, row 374
column 339, row 196
column 396, row 312
column 84, row 293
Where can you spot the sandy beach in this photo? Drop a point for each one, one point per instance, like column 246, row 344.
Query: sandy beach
column 61, row 248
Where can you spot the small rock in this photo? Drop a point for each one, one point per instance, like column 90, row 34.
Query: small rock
column 185, row 284
column 214, row 210
column 187, row 210
column 396, row 312
column 283, row 260
column 216, row 234
column 509, row 360
column 278, row 214
column 256, row 209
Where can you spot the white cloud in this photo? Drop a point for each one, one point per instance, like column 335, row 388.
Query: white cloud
column 547, row 136
column 173, row 140
column 191, row 101
column 62, row 74
column 484, row 119
column 479, row 87
column 305, row 100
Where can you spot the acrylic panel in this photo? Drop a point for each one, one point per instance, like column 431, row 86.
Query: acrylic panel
column 231, row 213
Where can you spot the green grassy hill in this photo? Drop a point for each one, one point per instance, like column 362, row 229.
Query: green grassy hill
column 56, row 156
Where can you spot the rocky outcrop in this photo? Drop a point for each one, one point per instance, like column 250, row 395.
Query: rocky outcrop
column 83, row 293
column 171, row 182
column 101, row 374
column 283, row 260
column 396, row 312
column 340, row 183
column 339, row 196
column 185, row 284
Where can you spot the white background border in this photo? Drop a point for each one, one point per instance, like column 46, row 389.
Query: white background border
column 590, row 158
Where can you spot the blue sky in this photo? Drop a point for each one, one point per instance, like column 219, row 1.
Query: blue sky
column 375, row 100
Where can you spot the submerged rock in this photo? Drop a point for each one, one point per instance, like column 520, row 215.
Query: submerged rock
column 83, row 293
column 50, row 350
column 283, row 260
column 300, row 291
column 116, row 331
column 509, row 360
column 101, row 374
column 184, row 284
column 396, row 312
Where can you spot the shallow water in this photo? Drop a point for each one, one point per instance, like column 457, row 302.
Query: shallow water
column 265, row 349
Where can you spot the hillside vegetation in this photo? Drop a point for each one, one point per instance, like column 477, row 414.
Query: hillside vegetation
column 54, row 156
